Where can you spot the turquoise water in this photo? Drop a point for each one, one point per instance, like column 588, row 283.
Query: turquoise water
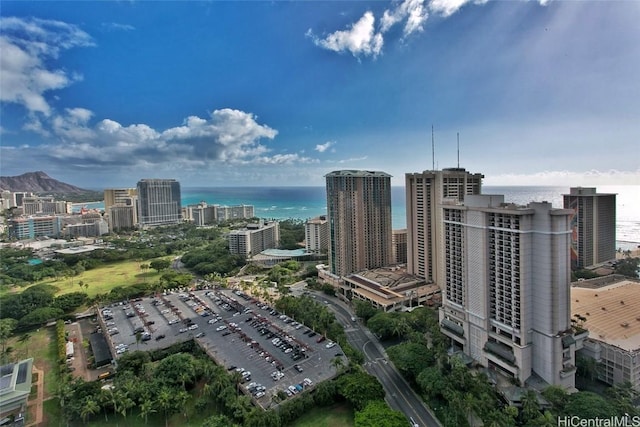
column 309, row 202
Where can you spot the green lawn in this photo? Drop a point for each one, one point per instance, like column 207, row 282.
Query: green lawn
column 41, row 345
column 338, row 415
column 102, row 279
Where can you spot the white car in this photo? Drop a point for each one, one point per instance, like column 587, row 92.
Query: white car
column 193, row 327
column 221, row 328
column 330, row 345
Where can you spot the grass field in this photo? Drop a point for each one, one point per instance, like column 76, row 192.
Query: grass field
column 41, row 346
column 101, row 279
column 338, row 415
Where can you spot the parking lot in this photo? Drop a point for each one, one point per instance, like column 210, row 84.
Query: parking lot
column 270, row 350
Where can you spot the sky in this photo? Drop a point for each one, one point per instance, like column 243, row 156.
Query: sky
column 275, row 93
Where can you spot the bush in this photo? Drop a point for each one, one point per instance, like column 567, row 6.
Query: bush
column 40, row 316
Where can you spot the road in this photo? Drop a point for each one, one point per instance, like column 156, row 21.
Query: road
column 399, row 395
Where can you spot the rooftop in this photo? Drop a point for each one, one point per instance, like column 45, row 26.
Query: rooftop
column 612, row 312
column 358, row 173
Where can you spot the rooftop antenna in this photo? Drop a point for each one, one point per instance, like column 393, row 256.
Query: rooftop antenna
column 433, row 151
column 458, row 150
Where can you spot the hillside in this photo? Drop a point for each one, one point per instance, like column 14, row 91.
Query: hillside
column 38, row 182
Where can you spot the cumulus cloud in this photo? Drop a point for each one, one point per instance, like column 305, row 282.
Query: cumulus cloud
column 447, row 7
column 28, row 45
column 413, row 11
column 226, row 137
column 324, row 147
column 361, row 39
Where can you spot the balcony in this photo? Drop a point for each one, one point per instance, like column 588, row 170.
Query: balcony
column 453, row 327
column 502, row 351
column 567, row 371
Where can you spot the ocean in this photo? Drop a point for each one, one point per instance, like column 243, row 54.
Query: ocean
column 308, row 202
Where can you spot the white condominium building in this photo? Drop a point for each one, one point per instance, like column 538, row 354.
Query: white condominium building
column 424, row 193
column 316, row 234
column 506, row 299
column 254, row 239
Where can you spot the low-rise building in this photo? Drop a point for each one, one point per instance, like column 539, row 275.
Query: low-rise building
column 34, row 226
column 609, row 308
column 15, row 387
column 389, row 289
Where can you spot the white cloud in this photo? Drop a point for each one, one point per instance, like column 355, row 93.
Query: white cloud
column 413, row 11
column 115, row 26
column 284, row 159
column 73, row 125
column 567, row 178
column 324, row 147
column 446, row 7
column 351, row 160
column 227, row 136
column 27, row 46
column 360, row 39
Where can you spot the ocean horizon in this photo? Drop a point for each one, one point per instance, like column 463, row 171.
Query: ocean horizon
column 308, row 202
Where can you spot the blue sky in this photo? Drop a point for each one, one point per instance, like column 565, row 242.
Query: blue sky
column 102, row 94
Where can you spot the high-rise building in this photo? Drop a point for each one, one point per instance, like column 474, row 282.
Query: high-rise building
column 594, row 226
column 121, row 217
column 399, row 246
column 359, row 213
column 255, row 238
column 159, row 202
column 424, row 193
column 316, row 234
column 506, row 299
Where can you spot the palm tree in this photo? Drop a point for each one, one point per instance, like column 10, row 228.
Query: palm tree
column 123, row 403
column 469, row 406
column 237, row 379
column 146, row 408
column 105, row 398
column 181, row 400
column 90, row 407
column 184, row 376
column 144, row 268
column 206, row 390
column 337, row 363
column 530, row 407
column 546, row 420
column 166, row 403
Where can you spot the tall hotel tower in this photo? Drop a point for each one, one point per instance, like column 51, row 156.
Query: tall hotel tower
column 506, row 292
column 159, row 202
column 424, row 193
column 594, row 226
column 359, row 214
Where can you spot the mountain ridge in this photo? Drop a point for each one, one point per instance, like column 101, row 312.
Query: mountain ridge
column 38, row 182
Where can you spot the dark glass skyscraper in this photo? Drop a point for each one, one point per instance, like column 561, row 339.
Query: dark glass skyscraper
column 159, row 202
